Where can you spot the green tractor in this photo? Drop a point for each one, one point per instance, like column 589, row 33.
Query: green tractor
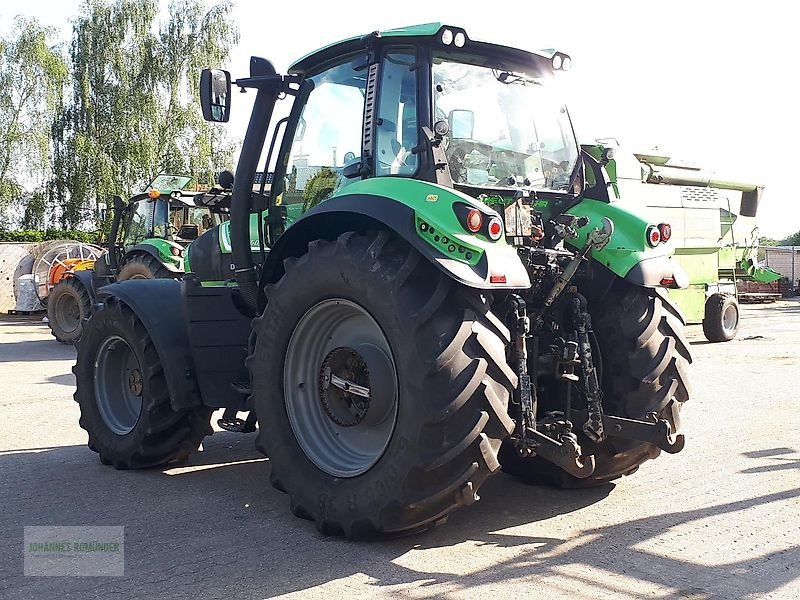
column 147, row 239
column 456, row 293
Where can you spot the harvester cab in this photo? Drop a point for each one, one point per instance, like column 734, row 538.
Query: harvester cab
column 427, row 283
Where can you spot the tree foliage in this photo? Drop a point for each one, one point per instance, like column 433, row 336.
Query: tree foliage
column 32, row 76
column 792, row 240
column 134, row 109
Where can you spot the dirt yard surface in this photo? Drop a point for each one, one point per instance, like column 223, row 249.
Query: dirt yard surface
column 719, row 520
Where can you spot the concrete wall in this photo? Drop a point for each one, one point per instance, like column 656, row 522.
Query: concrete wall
column 15, row 260
column 785, row 260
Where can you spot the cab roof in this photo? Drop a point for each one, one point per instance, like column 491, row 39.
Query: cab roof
column 424, row 32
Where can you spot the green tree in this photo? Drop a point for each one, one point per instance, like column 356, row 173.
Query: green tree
column 134, row 109
column 792, row 240
column 32, row 77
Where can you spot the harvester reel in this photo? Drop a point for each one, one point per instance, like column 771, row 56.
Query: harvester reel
column 55, row 259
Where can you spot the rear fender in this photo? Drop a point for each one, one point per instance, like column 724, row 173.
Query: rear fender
column 627, row 253
column 419, row 212
column 161, row 250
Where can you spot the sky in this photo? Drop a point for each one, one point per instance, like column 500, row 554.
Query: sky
column 713, row 82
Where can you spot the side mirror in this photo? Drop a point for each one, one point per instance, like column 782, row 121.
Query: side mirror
column 102, row 211
column 462, row 124
column 215, row 95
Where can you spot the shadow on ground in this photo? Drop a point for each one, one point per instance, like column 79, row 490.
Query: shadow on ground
column 215, row 528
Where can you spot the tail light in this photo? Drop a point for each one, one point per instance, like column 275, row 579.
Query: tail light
column 653, row 236
column 474, row 220
column 495, row 229
column 666, row 231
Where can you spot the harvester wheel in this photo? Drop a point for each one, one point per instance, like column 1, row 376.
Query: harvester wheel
column 68, row 307
column 123, row 397
column 644, row 355
column 381, row 387
column 721, row 321
column 144, row 266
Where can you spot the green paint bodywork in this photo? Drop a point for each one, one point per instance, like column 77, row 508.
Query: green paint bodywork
column 164, row 248
column 293, row 212
column 628, row 245
column 433, row 205
column 692, row 302
column 413, row 30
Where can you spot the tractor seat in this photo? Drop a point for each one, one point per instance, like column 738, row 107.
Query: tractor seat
column 189, row 232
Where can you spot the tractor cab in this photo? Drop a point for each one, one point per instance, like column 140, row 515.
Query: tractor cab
column 167, row 211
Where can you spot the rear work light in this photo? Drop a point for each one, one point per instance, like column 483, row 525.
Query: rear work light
column 495, row 229
column 653, row 236
column 474, row 220
column 666, row 231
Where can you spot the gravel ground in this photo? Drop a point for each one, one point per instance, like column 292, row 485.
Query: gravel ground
column 719, row 520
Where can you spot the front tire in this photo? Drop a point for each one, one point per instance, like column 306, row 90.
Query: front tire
column 123, row 397
column 68, row 307
column 721, row 321
column 438, row 389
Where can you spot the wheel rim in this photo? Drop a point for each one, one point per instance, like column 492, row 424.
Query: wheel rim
column 340, row 387
column 68, row 313
column 730, row 318
column 118, row 385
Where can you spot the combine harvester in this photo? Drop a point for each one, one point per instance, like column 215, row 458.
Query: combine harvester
column 711, row 224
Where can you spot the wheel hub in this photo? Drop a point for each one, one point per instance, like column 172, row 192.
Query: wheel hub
column 135, row 382
column 340, row 387
column 344, row 387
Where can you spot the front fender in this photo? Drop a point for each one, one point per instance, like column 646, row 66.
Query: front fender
column 88, row 281
column 422, row 214
column 159, row 306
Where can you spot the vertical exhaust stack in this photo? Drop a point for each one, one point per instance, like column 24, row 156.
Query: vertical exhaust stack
column 253, row 144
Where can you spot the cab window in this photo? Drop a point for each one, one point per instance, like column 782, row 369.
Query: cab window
column 396, row 127
column 328, row 136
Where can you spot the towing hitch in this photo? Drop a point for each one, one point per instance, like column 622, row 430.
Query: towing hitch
column 564, row 452
column 652, row 430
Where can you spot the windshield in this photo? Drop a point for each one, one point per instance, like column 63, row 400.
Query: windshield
column 506, row 129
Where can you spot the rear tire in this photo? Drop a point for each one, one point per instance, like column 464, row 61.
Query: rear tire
column 68, row 307
column 144, row 266
column 721, row 321
column 123, row 397
column 645, row 357
column 446, row 357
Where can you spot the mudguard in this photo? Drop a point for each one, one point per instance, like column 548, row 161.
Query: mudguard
column 157, row 304
column 627, row 254
column 421, row 213
column 88, row 281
